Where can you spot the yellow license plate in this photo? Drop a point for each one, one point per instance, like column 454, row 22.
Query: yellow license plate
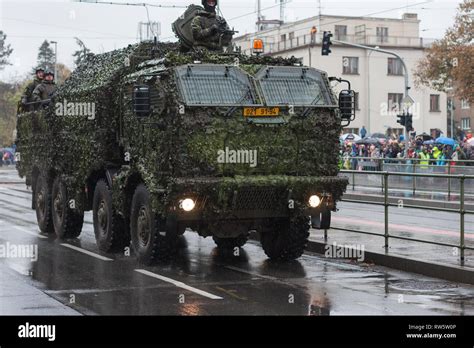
column 261, row 112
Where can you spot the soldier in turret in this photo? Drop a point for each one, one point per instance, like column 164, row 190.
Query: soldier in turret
column 210, row 31
column 27, row 96
column 44, row 91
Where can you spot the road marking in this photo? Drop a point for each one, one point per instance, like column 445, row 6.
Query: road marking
column 87, row 252
column 179, row 284
column 237, row 269
column 29, row 232
column 232, row 293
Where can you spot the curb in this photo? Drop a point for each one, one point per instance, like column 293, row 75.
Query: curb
column 457, row 274
column 422, row 203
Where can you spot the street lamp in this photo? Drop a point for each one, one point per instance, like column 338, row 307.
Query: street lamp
column 368, row 90
column 55, row 59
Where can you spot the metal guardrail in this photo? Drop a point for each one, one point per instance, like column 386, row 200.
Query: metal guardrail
column 413, row 166
column 386, row 204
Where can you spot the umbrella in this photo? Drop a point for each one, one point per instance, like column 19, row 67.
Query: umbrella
column 379, row 136
column 445, row 141
column 369, row 141
column 351, row 137
column 424, row 136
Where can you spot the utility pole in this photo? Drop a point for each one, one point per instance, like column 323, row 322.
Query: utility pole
column 55, row 59
column 259, row 14
column 407, row 100
column 282, row 11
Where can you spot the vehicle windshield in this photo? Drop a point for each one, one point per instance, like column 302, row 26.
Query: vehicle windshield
column 215, row 85
column 298, row 86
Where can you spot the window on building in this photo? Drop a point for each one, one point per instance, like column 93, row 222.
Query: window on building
column 356, row 99
column 434, row 103
column 394, row 101
column 466, row 123
column 291, row 35
column 340, row 32
column 382, row 34
column 350, row 65
column 283, row 37
column 395, row 66
column 465, row 104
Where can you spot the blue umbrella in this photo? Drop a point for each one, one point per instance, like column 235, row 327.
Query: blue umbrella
column 445, row 141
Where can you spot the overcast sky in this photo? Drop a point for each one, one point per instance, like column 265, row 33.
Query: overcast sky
column 106, row 27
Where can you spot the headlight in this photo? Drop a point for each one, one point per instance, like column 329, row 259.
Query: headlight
column 187, row 204
column 314, row 201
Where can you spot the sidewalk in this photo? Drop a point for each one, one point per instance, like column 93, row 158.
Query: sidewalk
column 431, row 260
column 17, row 297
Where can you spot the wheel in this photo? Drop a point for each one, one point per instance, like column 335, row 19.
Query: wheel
column 321, row 221
column 42, row 204
column 286, row 240
column 150, row 240
column 67, row 222
column 231, row 243
column 109, row 227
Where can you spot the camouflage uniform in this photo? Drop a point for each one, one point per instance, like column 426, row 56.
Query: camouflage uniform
column 44, row 91
column 27, row 96
column 208, row 31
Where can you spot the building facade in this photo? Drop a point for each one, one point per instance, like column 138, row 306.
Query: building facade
column 463, row 117
column 377, row 78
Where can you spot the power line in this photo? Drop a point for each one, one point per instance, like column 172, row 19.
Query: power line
column 128, row 4
column 346, row 19
column 57, row 26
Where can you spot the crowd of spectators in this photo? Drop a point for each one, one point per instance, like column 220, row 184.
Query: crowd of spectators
column 372, row 152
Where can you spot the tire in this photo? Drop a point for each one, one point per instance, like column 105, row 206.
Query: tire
column 109, row 227
column 322, row 221
column 231, row 243
column 150, row 240
column 67, row 222
column 286, row 240
column 43, row 204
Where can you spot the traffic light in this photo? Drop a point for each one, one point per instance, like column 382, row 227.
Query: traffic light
column 409, row 122
column 402, row 119
column 326, row 46
column 406, row 120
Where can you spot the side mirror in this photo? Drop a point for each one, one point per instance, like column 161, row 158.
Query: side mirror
column 347, row 105
column 141, row 101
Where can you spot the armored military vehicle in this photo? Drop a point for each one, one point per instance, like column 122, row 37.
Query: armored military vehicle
column 156, row 142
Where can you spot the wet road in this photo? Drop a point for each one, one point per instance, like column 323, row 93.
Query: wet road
column 72, row 277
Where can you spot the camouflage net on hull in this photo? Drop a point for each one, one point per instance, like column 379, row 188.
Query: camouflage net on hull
column 168, row 144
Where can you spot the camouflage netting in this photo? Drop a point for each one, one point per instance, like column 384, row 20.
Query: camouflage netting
column 169, row 145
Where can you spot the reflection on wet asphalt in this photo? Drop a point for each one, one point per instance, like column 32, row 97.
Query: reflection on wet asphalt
column 205, row 281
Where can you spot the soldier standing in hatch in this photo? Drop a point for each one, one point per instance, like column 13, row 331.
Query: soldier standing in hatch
column 210, row 31
column 27, row 96
column 46, row 89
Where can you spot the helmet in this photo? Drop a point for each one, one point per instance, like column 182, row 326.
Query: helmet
column 39, row 69
column 209, row 8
